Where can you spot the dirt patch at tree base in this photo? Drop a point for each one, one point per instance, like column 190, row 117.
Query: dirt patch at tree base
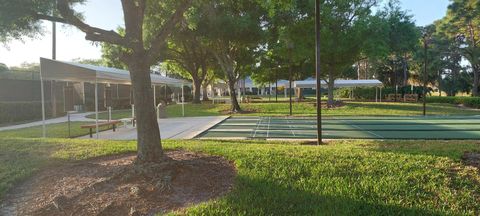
column 117, row 186
column 472, row 159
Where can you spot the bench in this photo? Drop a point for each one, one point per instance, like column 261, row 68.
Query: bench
column 125, row 121
column 394, row 97
column 411, row 97
column 100, row 124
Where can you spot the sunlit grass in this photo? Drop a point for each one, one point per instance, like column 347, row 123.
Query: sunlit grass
column 307, row 109
column 275, row 178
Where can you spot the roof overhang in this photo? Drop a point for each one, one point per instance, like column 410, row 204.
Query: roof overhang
column 75, row 72
column 339, row 83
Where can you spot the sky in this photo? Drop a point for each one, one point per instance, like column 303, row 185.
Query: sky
column 107, row 14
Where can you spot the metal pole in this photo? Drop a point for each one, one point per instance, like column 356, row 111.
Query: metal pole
column 96, row 107
column 318, row 72
column 44, row 130
column 290, row 90
column 69, row 133
column 54, row 40
column 109, row 113
column 276, row 87
column 183, row 103
column 425, row 77
column 290, row 47
column 154, row 96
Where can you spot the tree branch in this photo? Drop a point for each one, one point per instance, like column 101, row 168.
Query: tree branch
column 49, row 18
column 160, row 38
column 92, row 33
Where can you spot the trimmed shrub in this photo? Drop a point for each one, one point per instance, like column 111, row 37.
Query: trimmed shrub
column 473, row 102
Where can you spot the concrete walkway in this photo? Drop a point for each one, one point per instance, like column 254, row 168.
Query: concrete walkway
column 73, row 117
column 171, row 128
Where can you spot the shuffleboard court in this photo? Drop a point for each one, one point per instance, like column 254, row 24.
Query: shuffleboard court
column 431, row 127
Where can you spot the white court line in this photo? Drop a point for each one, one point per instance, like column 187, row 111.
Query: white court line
column 355, row 126
column 258, row 124
column 290, row 126
column 268, row 128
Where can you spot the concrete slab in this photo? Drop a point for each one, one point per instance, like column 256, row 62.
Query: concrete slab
column 172, row 128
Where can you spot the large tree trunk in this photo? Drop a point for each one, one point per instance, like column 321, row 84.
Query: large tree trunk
column 149, row 144
column 233, row 96
column 331, row 86
column 205, row 93
column 476, row 80
column 227, row 65
column 197, row 83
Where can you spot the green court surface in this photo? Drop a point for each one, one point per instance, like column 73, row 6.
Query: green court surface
column 431, row 127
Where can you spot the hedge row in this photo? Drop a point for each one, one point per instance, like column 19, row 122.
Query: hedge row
column 20, row 111
column 473, row 102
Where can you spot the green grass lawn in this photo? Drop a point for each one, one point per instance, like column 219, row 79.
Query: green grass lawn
column 342, row 178
column 59, row 130
column 307, row 109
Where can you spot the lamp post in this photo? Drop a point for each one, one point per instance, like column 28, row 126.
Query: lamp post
column 425, row 76
column 317, row 73
column 290, row 47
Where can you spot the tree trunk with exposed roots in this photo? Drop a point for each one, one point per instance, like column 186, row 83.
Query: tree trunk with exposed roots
column 148, row 133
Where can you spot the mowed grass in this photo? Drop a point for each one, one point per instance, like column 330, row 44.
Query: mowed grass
column 307, row 109
column 275, row 178
column 356, row 109
column 58, row 130
column 191, row 110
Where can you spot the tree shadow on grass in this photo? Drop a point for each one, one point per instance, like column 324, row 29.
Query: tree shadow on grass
column 259, row 197
column 452, row 149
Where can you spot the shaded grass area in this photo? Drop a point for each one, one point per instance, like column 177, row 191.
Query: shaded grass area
column 59, row 130
column 275, row 178
column 307, row 109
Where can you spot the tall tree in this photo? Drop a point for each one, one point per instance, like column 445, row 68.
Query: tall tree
column 345, row 28
column 233, row 30
column 189, row 53
column 401, row 36
column 463, row 22
column 142, row 48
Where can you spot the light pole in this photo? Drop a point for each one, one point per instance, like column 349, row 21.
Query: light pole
column 317, row 73
column 290, row 48
column 425, row 76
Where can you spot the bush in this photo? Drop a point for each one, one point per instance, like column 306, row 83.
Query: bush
column 473, row 102
column 21, row 111
column 366, row 93
column 361, row 93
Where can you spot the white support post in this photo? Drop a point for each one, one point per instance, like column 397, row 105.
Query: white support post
column 44, row 130
column 154, row 96
column 133, row 111
column 376, row 94
column 109, row 113
column 96, row 107
column 183, row 103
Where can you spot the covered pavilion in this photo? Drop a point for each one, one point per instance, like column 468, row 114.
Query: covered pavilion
column 54, row 70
